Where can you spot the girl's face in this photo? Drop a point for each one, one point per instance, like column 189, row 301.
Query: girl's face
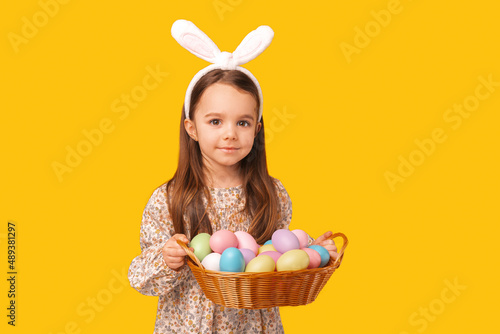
column 225, row 125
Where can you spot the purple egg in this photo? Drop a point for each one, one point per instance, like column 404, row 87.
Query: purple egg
column 284, row 240
column 248, row 254
column 274, row 255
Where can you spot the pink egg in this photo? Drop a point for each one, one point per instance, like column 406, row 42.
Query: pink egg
column 248, row 254
column 303, row 238
column 274, row 255
column 245, row 240
column 221, row 240
column 284, row 240
column 314, row 258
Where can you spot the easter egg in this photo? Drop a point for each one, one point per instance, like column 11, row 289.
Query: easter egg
column 245, row 240
column 268, row 242
column 314, row 258
column 223, row 239
column 201, row 245
column 325, row 256
column 248, row 254
column 303, row 238
column 273, row 254
column 212, row 261
column 284, row 240
column 261, row 264
column 295, row 259
column 232, row 260
column 266, row 248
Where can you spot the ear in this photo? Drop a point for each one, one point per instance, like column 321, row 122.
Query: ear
column 194, row 40
column 253, row 45
column 257, row 128
column 190, row 129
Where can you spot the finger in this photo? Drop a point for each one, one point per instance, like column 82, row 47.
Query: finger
column 329, row 244
column 174, row 261
column 174, row 251
column 323, row 237
column 330, row 248
column 175, row 265
column 334, row 255
column 181, row 237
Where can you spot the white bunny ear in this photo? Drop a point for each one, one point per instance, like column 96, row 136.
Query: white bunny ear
column 194, row 40
column 198, row 43
column 253, row 44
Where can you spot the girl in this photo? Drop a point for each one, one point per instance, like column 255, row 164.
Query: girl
column 221, row 182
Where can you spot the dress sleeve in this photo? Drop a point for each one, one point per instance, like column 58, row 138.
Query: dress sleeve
column 148, row 272
column 285, row 206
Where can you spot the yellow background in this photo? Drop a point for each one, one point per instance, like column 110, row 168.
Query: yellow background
column 350, row 119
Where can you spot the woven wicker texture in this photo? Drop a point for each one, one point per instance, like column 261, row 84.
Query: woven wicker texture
column 263, row 290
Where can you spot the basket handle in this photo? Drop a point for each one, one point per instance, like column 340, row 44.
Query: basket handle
column 338, row 261
column 191, row 255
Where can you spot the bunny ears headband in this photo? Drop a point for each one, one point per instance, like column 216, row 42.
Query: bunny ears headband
column 198, row 43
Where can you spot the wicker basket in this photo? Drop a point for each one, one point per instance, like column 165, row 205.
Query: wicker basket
column 263, row 290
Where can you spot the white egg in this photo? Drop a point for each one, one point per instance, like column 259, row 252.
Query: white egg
column 211, row 262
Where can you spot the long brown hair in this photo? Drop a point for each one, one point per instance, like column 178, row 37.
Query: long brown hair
column 187, row 188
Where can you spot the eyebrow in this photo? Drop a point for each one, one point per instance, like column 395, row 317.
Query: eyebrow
column 214, row 114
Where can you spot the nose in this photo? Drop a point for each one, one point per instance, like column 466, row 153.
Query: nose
column 230, row 132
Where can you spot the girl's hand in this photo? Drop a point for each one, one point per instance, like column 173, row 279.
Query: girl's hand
column 173, row 254
column 329, row 244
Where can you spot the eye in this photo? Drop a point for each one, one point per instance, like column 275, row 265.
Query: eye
column 215, row 122
column 243, row 123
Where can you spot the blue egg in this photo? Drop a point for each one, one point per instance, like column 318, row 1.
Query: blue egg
column 325, row 256
column 268, row 242
column 232, row 260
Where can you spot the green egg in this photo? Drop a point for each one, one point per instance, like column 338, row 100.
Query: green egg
column 201, row 245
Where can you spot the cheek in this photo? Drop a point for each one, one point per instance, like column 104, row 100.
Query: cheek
column 207, row 136
column 248, row 138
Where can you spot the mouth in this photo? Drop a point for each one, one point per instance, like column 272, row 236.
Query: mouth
column 228, row 149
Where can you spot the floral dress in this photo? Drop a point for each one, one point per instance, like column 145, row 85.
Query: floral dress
column 182, row 306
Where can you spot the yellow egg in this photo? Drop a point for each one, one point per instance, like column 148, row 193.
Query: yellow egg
column 295, row 259
column 266, row 248
column 260, row 264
